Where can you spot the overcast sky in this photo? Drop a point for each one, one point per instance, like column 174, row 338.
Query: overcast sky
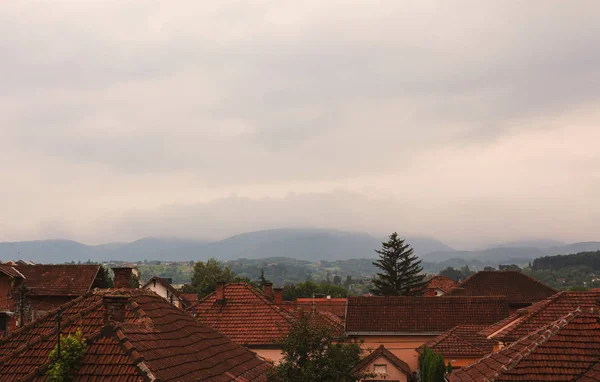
column 469, row 121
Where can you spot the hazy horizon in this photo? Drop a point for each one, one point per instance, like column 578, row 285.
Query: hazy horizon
column 470, row 122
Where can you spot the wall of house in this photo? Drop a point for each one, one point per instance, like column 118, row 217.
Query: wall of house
column 271, row 355
column 403, row 347
column 393, row 373
column 163, row 292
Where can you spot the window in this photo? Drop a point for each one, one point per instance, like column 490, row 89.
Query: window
column 380, row 369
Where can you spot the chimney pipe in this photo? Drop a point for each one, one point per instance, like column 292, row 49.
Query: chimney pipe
column 220, row 292
column 114, row 308
column 268, row 290
column 278, row 292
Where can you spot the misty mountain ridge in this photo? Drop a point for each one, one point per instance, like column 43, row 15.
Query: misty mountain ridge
column 304, row 244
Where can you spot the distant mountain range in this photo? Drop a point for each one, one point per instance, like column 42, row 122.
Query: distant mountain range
column 305, row 244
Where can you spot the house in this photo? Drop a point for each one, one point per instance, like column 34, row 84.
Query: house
column 567, row 349
column 385, row 366
column 247, row 316
column 542, row 313
column 519, row 289
column 42, row 287
column 126, row 276
column 163, row 288
column 439, row 285
column 461, row 345
column 403, row 324
column 131, row 335
column 336, row 306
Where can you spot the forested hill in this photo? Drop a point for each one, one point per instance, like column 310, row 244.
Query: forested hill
column 302, row 244
column 587, row 259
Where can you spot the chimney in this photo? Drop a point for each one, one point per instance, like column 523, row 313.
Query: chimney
column 220, row 292
column 278, row 292
column 124, row 275
column 268, row 290
column 114, row 308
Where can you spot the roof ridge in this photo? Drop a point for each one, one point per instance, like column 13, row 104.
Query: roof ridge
column 439, row 338
column 282, row 312
column 545, row 332
column 538, row 308
column 132, row 352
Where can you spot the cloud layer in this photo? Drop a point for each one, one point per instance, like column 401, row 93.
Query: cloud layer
column 469, row 121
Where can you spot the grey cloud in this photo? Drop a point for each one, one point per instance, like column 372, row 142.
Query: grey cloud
column 249, row 94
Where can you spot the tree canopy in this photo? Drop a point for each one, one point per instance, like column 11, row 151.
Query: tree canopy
column 402, row 274
column 312, row 354
column 206, row 275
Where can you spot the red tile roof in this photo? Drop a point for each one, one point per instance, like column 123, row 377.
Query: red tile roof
column 247, row 316
column 154, row 341
column 59, row 280
column 433, row 315
column 566, row 350
column 442, row 283
column 379, row 352
column 324, row 319
column 10, row 271
column 461, row 341
column 542, row 313
column 336, row 306
column 516, row 286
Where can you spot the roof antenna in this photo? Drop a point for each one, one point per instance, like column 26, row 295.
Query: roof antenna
column 58, row 317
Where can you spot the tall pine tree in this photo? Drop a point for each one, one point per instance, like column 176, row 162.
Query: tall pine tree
column 401, row 274
column 262, row 279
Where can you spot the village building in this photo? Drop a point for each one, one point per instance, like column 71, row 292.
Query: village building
column 439, row 285
column 567, row 349
column 255, row 319
column 403, row 324
column 384, row 366
column 131, row 335
column 519, row 289
column 461, row 345
column 30, row 291
column 163, row 288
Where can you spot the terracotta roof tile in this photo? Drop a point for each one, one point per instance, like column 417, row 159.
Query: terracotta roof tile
column 336, row 306
column 442, row 283
column 155, row 339
column 533, row 317
column 10, row 271
column 421, row 314
column 564, row 350
column 59, row 280
column 461, row 341
column 247, row 316
column 517, row 287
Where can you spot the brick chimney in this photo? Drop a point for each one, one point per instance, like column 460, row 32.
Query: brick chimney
column 268, row 290
column 114, row 307
column 220, row 292
column 124, row 275
column 278, row 299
